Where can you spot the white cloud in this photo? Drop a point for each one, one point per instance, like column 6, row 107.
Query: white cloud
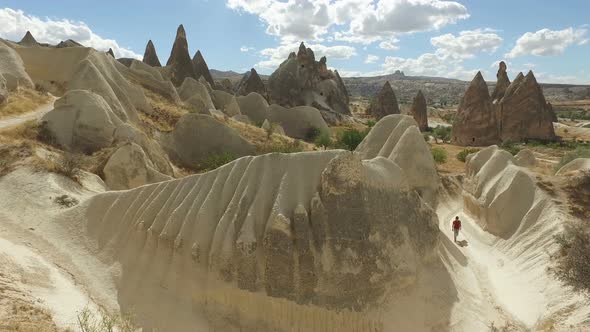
column 389, row 45
column 15, row 23
column 496, row 64
column 371, row 58
column 245, row 49
column 547, row 42
column 275, row 56
column 358, row 21
column 467, row 43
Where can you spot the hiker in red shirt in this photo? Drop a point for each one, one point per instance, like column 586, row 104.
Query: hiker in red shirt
column 456, row 227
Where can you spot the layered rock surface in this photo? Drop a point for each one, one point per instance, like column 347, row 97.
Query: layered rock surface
column 180, row 62
column 302, row 81
column 502, row 82
column 201, row 69
column 385, row 103
column 476, row 123
column 332, row 244
column 251, row 82
column 419, row 111
column 150, row 56
column 13, row 69
column 297, row 122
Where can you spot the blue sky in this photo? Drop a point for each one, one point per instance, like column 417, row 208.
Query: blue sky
column 360, row 37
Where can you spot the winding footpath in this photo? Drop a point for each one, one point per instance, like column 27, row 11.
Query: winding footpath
column 12, row 121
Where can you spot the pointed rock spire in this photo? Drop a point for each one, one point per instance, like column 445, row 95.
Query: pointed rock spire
column 180, row 63
column 419, row 111
column 502, row 83
column 111, row 53
column 524, row 112
column 201, row 69
column 150, row 56
column 476, row 121
column 28, row 40
column 251, row 82
column 385, row 103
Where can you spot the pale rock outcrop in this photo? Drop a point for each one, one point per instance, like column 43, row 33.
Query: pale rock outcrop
column 129, row 167
column 333, row 244
column 525, row 158
column 201, row 69
column 524, row 113
column 152, row 79
column 3, row 91
column 197, row 137
column 28, row 40
column 476, row 123
column 576, row 165
column 493, row 182
column 225, row 85
column 297, row 122
column 397, row 138
column 195, row 94
column 302, row 81
column 254, row 106
column 225, row 102
column 68, row 43
column 203, row 81
column 385, row 103
column 13, row 69
column 82, row 121
column 180, row 62
column 243, row 119
column 126, row 133
column 251, row 82
column 419, row 111
column 150, row 56
column 502, row 83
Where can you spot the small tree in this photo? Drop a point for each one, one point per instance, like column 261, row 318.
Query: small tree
column 440, row 155
column 323, row 140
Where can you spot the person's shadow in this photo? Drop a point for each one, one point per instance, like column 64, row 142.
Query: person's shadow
column 463, row 243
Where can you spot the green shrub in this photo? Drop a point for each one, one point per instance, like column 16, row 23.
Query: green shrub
column 103, row 322
column 442, row 133
column 579, row 152
column 510, row 147
column 216, row 160
column 371, row 123
column 290, row 147
column 462, row 156
column 439, row 154
column 323, row 140
column 350, row 138
column 312, row 133
column 573, row 266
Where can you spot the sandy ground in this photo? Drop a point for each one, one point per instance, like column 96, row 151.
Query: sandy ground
column 9, row 122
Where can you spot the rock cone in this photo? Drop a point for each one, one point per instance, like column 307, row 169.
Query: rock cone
column 302, row 81
column 28, row 40
column 251, row 82
column 180, row 63
column 150, row 56
column 502, row 83
column 201, row 69
column 385, row 103
column 476, row 123
column 111, row 53
column 524, row 113
column 419, row 111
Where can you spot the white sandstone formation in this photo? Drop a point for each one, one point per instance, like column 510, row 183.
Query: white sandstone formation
column 12, row 69
column 576, row 165
column 396, row 137
column 129, row 167
column 191, row 142
column 254, row 106
column 82, row 121
column 297, row 121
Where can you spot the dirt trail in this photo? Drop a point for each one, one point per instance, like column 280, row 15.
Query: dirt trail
column 12, row 121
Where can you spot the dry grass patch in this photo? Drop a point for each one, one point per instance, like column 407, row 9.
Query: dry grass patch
column 23, row 101
column 165, row 115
